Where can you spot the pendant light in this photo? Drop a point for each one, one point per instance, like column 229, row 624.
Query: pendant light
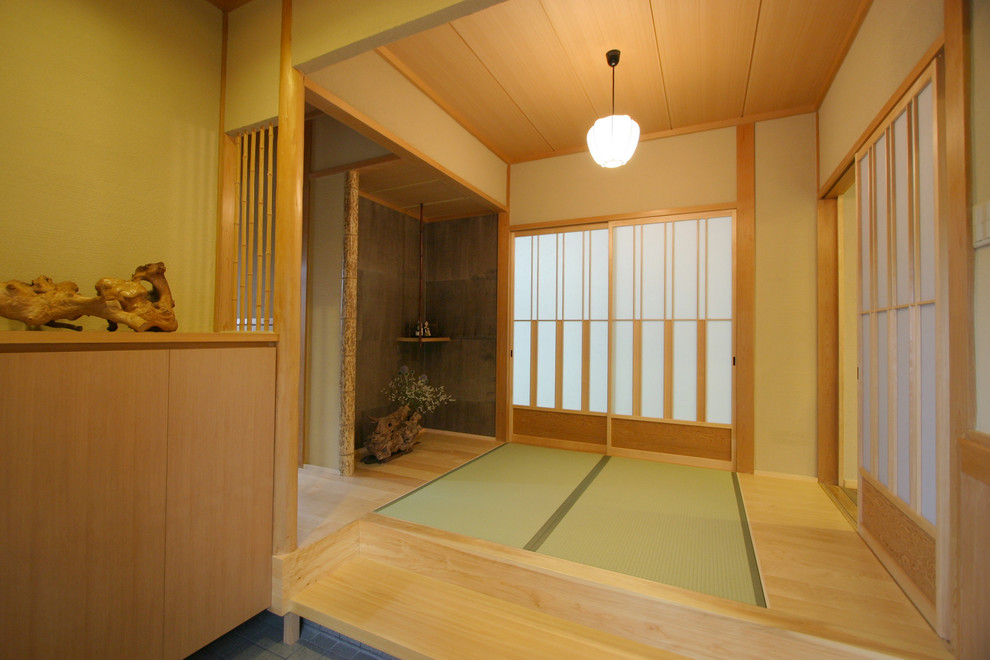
column 613, row 139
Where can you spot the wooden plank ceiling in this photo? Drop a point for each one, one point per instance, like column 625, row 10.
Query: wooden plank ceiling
column 529, row 77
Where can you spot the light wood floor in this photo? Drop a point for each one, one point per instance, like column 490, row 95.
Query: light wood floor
column 814, row 565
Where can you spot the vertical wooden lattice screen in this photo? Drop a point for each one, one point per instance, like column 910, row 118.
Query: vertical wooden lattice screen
column 254, row 257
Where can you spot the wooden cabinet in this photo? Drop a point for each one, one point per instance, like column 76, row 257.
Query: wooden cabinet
column 135, row 495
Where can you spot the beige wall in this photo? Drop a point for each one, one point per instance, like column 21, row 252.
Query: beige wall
column 786, row 306
column 376, row 89
column 111, row 111
column 980, row 132
column 324, row 263
column 254, row 37
column 675, row 172
column 892, row 40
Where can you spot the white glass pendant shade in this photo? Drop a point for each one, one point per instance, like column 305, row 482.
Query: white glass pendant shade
column 613, row 139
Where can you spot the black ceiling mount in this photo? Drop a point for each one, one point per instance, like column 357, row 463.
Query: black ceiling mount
column 612, row 57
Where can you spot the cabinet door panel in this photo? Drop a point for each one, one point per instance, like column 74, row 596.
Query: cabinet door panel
column 82, row 496
column 219, row 502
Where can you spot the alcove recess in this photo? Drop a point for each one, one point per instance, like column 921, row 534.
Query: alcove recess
column 416, row 332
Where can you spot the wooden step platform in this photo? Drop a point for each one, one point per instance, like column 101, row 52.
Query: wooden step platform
column 417, row 592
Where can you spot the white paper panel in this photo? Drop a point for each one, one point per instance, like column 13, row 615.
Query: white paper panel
column 520, row 363
column 720, row 268
column 668, row 262
column 902, row 242
column 929, row 463
column 880, row 200
column 685, row 371
column 883, row 399
column 546, row 286
column 523, row 278
column 546, row 363
column 573, row 264
column 622, row 271
column 653, row 271
column 622, row 356
column 718, row 380
column 598, row 367
column 904, row 404
column 598, row 278
column 702, row 268
column 865, row 416
column 571, row 368
column 638, row 272
column 926, row 193
column 651, row 401
column 866, row 188
column 686, row 269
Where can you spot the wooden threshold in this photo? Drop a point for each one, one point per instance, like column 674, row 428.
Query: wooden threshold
column 828, row 595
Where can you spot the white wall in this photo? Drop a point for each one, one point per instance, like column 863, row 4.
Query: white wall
column 669, row 173
column 786, row 302
column 892, row 39
column 111, row 115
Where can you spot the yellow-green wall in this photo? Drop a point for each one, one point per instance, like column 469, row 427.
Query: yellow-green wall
column 893, row 38
column 327, row 31
column 254, row 38
column 785, row 384
column 111, row 111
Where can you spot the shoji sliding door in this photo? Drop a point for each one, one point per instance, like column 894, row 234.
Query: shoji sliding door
column 623, row 338
column 897, row 194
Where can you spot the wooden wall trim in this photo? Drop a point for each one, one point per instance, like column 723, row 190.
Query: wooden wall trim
column 572, row 427
column 911, row 547
column 689, row 440
column 828, row 342
column 288, row 294
column 974, row 456
column 706, row 210
column 745, row 297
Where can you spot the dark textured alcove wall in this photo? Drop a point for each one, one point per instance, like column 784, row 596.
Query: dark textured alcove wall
column 460, row 299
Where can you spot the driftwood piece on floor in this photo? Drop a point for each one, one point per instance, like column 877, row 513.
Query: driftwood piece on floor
column 394, row 433
column 127, row 302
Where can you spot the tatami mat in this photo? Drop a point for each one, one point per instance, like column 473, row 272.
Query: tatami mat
column 679, row 525
column 674, row 524
column 504, row 496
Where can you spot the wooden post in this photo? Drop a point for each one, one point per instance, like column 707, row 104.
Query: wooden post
column 828, row 342
column 957, row 383
column 745, row 312
column 502, row 332
column 348, row 325
column 288, row 275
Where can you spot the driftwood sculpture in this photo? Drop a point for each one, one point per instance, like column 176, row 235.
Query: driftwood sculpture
column 128, row 302
column 394, row 434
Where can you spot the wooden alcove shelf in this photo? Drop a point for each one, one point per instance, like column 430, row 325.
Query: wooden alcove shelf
column 422, row 340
